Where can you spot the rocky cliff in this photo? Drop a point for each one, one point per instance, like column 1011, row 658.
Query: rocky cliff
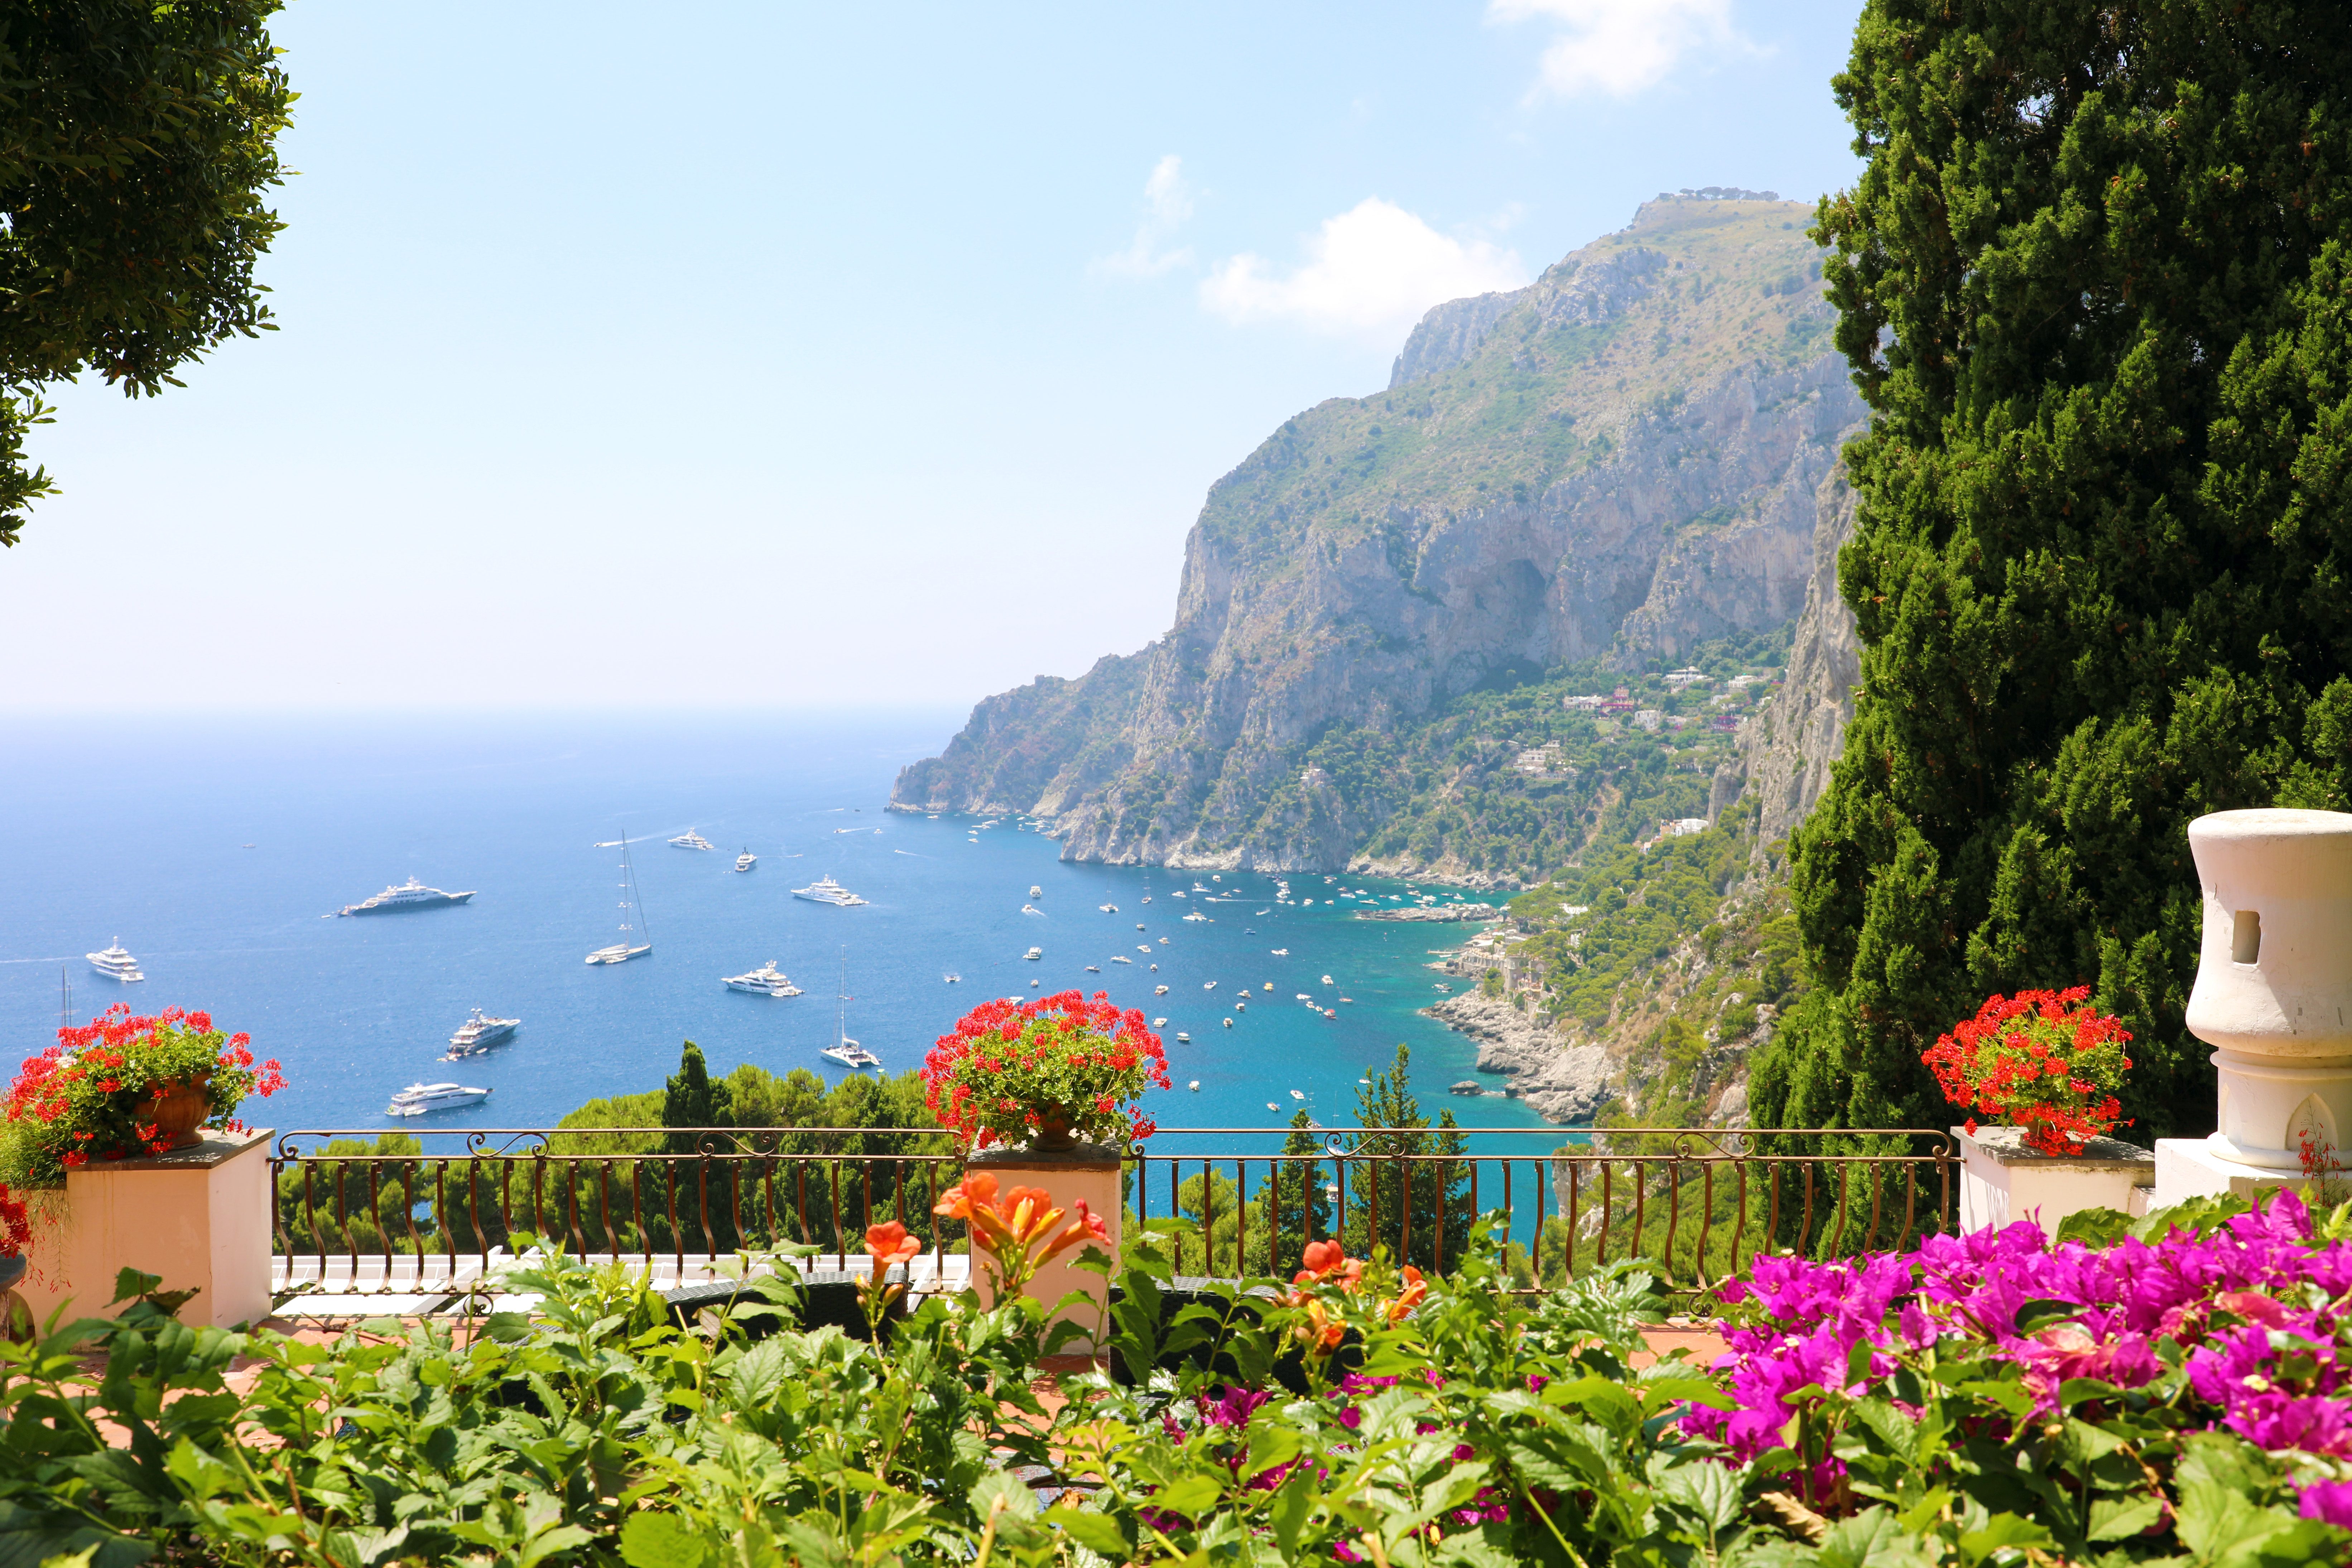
column 1788, row 747
column 1629, row 456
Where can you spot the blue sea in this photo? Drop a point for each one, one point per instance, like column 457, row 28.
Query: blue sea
column 212, row 848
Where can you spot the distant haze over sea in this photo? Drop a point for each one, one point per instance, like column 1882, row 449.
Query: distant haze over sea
column 140, row 829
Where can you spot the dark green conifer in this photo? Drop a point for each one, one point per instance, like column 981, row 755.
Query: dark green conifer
column 2095, row 285
column 690, row 1100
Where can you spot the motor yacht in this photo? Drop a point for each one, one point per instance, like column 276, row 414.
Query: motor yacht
column 1160, row 991
column 423, row 1099
column 1034, row 952
column 1120, row 958
column 116, row 963
column 826, row 891
column 746, row 861
column 409, row 895
column 480, row 1033
column 1159, row 1023
column 690, row 840
column 1182, row 1038
column 765, row 981
column 1037, row 891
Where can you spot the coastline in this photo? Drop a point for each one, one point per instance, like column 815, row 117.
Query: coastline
column 1563, row 1083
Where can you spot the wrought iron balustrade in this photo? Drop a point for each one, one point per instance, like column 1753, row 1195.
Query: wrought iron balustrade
column 417, row 1209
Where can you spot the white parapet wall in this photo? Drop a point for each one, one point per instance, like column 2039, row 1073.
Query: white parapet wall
column 2002, row 1181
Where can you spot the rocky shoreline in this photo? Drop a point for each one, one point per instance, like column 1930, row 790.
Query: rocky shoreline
column 1565, row 1083
column 1438, row 913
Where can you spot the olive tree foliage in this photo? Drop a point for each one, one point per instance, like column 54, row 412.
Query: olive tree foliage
column 2096, row 284
column 137, row 140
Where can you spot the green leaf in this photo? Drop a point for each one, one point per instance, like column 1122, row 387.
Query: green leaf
column 660, row 1541
column 1293, row 1503
column 1189, row 1495
column 2095, row 1227
column 1874, row 1539
column 1708, row 1490
column 509, row 1328
column 2003, row 1530
column 1098, row 1532
column 2119, row 1519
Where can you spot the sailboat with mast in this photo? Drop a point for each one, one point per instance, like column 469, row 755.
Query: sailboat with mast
column 632, row 910
column 844, row 1049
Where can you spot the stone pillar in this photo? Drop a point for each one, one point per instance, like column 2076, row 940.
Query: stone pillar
column 199, row 1217
column 2002, row 1181
column 2274, row 993
column 1090, row 1171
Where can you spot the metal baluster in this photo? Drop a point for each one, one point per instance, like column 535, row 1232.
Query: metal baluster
column 1601, row 1242
column 1241, row 1220
column 1568, row 1250
column 840, row 1253
column 1674, row 1211
column 1877, row 1191
column 1910, row 1198
column 342, row 1218
column 1805, row 1225
column 1208, row 1219
column 1404, row 1210
column 1641, row 1212
column 1837, row 1235
column 637, row 1211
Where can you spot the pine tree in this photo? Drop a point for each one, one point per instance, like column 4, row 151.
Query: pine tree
column 2096, row 285
column 1377, row 1211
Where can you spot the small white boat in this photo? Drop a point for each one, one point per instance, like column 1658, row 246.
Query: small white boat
column 1304, row 997
column 1194, row 1085
column 1208, row 986
column 1296, row 1095
column 1177, row 893
column 1196, row 916
column 1094, row 969
column 1141, row 948
column 746, row 861
column 1347, row 998
column 1229, row 1023
column 1035, row 891
column 1108, row 908
column 692, row 840
column 1272, row 1106
column 1327, row 979
column 1282, row 953
column 1139, row 925
column 1159, row 1023
column 951, row 977
column 1033, row 910
column 1240, row 1006
column 1034, row 952
column 765, row 981
column 1120, row 958
column 422, row 1098
column 1160, row 991
column 1183, row 1040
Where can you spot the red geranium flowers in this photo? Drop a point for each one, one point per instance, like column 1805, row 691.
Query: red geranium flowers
column 1013, row 1070
column 2028, row 1060
column 77, row 1102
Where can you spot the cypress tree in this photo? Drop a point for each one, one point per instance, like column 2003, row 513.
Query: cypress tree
column 2094, row 284
column 1378, row 1212
column 689, row 1098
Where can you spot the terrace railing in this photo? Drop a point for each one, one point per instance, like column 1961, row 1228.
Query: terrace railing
column 357, row 1212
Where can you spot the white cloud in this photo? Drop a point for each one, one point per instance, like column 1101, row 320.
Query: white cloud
column 1620, row 46
column 1372, row 270
column 1167, row 204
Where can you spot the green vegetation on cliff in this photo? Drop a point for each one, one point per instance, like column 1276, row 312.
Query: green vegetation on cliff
column 2096, row 284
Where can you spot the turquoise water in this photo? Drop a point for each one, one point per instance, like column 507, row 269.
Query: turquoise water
column 141, row 830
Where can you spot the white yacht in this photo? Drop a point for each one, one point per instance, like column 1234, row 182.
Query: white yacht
column 844, row 1049
column 422, row 1098
column 746, row 861
column 765, row 981
column 826, row 891
column 690, row 840
column 1196, row 915
column 1159, row 1023
column 1120, row 958
column 1035, row 891
column 480, row 1033
column 629, row 947
column 410, row 895
column 1034, row 952
column 116, row 963
column 1160, row 991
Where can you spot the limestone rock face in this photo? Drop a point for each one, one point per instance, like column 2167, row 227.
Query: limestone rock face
column 1791, row 743
column 1563, row 1082
column 1623, row 459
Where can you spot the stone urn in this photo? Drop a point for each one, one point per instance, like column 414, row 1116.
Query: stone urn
column 178, row 1107
column 2274, row 986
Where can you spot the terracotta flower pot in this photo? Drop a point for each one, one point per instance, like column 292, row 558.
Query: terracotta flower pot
column 1054, row 1136
column 178, row 1109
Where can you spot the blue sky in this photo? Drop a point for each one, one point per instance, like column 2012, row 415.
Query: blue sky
column 778, row 355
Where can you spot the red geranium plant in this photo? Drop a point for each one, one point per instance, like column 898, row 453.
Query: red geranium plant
column 1046, row 1070
column 2044, row 1060
column 77, row 1100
